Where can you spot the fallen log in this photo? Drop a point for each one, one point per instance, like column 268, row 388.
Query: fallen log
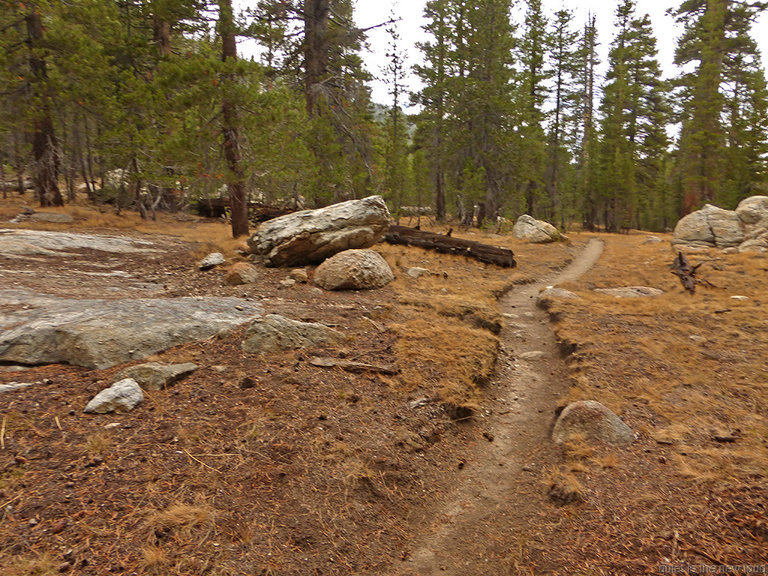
column 352, row 366
column 447, row 244
column 257, row 212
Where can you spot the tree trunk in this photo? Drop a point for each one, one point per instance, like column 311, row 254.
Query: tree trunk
column 316, row 15
column 230, row 125
column 44, row 144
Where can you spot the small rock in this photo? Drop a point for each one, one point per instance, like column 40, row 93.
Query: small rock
column 299, row 275
column 417, row 272
column 740, row 298
column 631, row 292
column 652, row 240
column 287, row 283
column 697, row 338
column 274, row 332
column 533, row 355
column 549, row 294
column 241, row 273
column 156, row 376
column 14, row 386
column 593, row 421
column 212, row 260
column 418, row 403
column 122, row 396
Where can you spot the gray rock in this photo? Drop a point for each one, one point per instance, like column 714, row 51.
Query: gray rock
column 311, row 236
column 299, row 275
column 37, row 329
column 533, row 355
column 54, row 217
column 274, row 332
column 710, row 226
column 753, row 211
column 631, row 292
column 241, row 273
column 211, row 261
column 652, row 240
column 47, row 243
column 156, row 376
column 354, row 270
column 11, row 386
column 535, row 231
column 593, row 422
column 287, row 283
column 122, row 396
column 417, row 272
column 547, row 296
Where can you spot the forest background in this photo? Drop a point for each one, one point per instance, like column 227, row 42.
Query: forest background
column 512, row 114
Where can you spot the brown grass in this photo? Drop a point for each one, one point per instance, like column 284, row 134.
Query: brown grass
column 446, row 322
column 687, row 368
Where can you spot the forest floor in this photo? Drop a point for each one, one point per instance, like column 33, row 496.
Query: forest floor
column 445, row 467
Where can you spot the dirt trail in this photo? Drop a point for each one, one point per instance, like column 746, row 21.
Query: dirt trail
column 481, row 528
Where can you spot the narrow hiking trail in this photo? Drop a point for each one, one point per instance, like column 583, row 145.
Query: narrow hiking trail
column 483, row 525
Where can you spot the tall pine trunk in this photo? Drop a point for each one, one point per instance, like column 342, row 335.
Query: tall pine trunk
column 230, row 125
column 44, row 144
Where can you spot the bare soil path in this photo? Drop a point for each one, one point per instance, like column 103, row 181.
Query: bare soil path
column 482, row 528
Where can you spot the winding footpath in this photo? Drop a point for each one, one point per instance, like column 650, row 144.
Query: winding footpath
column 475, row 530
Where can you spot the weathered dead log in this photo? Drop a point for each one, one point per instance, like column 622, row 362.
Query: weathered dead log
column 257, row 212
column 683, row 269
column 449, row 245
column 352, row 366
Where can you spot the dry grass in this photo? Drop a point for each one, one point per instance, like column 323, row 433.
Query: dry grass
column 684, row 369
column 41, row 565
column 447, row 321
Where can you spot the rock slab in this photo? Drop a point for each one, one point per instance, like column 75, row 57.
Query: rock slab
column 535, row 231
column 311, row 236
column 122, row 396
column 46, row 243
column 593, row 422
column 631, row 292
column 156, row 376
column 354, row 270
column 41, row 329
column 274, row 332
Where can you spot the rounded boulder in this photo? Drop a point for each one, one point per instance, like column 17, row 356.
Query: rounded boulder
column 354, row 270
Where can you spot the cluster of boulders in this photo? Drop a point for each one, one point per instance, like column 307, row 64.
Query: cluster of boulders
column 337, row 238
column 744, row 229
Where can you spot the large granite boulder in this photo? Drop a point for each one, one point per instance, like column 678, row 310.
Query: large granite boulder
column 41, row 329
column 711, row 226
column 354, row 270
column 591, row 421
column 311, row 236
column 274, row 333
column 535, row 231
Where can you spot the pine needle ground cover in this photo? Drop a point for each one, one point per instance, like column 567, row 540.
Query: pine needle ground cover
column 689, row 373
column 253, row 464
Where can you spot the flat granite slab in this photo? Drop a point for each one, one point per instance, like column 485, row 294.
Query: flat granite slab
column 96, row 333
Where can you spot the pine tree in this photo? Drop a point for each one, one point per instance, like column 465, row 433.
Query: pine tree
column 716, row 40
column 586, row 153
column 432, row 120
column 563, row 127
column 532, row 95
column 633, row 119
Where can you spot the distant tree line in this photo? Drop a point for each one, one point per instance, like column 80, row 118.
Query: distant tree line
column 513, row 117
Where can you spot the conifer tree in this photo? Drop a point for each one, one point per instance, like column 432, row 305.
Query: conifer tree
column 716, row 40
